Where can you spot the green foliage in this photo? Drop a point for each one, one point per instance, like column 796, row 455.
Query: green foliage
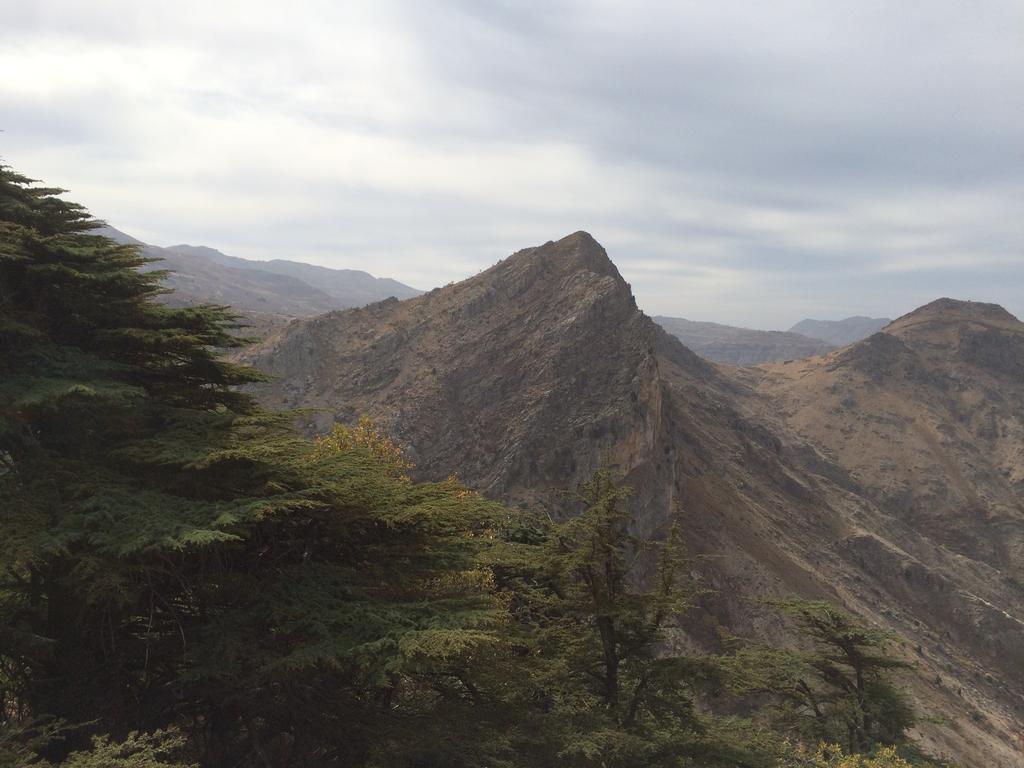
column 174, row 556
column 367, row 438
column 832, row 756
column 23, row 747
column 598, row 687
column 842, row 691
column 137, row 750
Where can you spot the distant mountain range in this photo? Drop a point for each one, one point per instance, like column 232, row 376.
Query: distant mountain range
column 345, row 287
column 741, row 346
column 839, row 333
column 268, row 294
column 746, row 346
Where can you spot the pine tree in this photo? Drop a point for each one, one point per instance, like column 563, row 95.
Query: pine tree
column 604, row 687
column 850, row 694
column 841, row 690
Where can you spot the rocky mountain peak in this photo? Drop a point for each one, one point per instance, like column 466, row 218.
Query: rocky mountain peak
column 519, row 378
column 964, row 338
column 556, row 267
column 580, row 251
column 946, row 310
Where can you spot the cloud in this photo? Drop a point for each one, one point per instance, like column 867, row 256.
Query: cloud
column 745, row 163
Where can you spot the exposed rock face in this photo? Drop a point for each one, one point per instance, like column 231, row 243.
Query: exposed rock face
column 839, row 333
column 521, row 378
column 741, row 346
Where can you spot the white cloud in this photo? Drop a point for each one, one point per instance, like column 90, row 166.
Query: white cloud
column 740, row 162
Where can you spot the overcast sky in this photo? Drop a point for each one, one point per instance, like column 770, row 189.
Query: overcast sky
column 749, row 162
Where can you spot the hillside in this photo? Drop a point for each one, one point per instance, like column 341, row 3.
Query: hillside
column 929, row 416
column 839, row 333
column 521, row 378
column 741, row 346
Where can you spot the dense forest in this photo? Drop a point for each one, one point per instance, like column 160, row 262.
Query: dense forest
column 189, row 581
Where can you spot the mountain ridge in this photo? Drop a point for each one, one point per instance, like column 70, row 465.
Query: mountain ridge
column 350, row 287
column 267, row 294
column 839, row 333
column 525, row 377
column 741, row 346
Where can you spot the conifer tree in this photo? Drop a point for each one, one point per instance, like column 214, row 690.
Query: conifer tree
column 610, row 691
column 841, row 690
column 172, row 556
column 849, row 696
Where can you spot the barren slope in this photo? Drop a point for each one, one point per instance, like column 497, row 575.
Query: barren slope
column 929, row 416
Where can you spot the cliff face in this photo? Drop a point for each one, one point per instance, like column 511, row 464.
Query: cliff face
column 521, row 378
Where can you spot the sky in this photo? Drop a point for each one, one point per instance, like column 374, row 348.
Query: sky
column 749, row 163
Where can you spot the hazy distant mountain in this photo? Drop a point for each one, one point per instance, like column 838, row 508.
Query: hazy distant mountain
column 741, row 346
column 349, row 287
column 268, row 294
column 839, row 333
column 792, row 476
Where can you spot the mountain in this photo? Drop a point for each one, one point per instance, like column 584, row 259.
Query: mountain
column 741, row 346
column 347, row 287
column 523, row 377
column 929, row 416
column 839, row 333
column 268, row 294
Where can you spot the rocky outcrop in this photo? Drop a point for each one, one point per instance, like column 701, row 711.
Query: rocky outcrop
column 929, row 416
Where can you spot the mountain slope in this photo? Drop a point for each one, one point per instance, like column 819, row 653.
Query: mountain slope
column 839, row 333
column 741, row 346
column 929, row 415
column 520, row 379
